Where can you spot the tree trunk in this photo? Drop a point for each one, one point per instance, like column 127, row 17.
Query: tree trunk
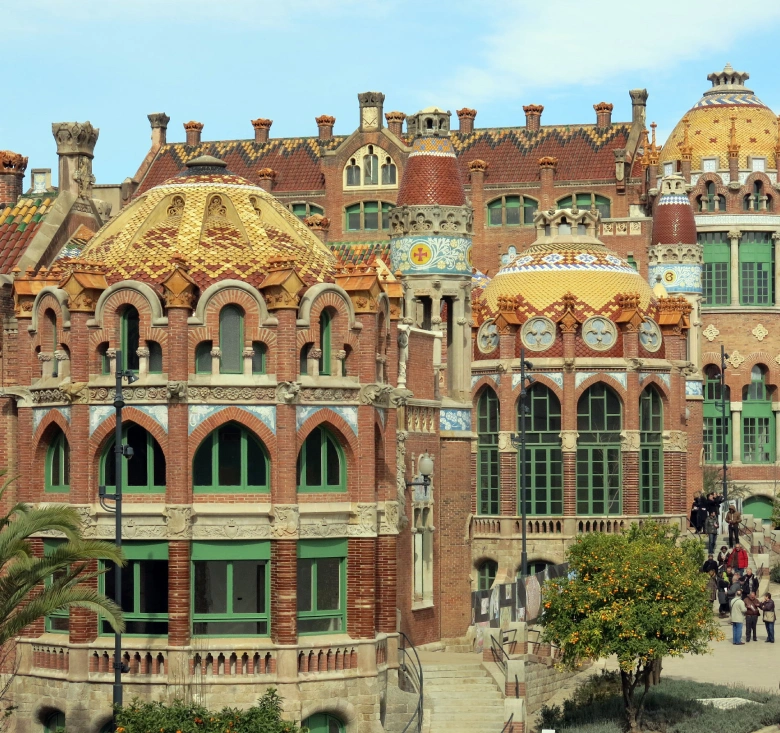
column 656, row 670
column 632, row 712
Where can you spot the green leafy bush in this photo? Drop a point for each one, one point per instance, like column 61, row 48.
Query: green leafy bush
column 774, row 573
column 184, row 717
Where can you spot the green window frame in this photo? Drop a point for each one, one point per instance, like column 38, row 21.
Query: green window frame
column 105, row 362
column 631, row 261
column 322, row 466
column 57, row 622
column 57, row 470
column 587, row 201
column 51, row 317
column 130, row 337
column 714, row 421
column 756, row 269
column 55, row 723
column 145, row 472
column 323, row 723
column 231, row 459
column 322, row 586
column 302, row 209
column 389, row 173
column 511, row 211
column 543, row 455
column 598, row 460
column 203, row 357
column 651, row 457
column 352, row 215
column 326, row 328
column 231, row 340
column 367, row 216
column 486, row 574
column 259, row 353
column 144, row 589
column 231, row 588
column 488, row 466
column 758, row 420
column 716, row 270
column 155, row 364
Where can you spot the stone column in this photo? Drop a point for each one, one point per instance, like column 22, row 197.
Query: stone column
column 734, row 236
column 284, row 580
column 629, row 454
column 736, row 433
column 776, row 239
column 569, row 453
column 179, row 592
column 361, row 587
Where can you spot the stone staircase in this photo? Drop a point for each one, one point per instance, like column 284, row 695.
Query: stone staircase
column 462, row 698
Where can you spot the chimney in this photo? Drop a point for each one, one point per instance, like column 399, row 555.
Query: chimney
column 267, row 178
column 193, row 130
column 533, row 117
column 603, row 115
column 12, row 168
column 159, row 122
column 75, row 149
column 262, row 126
column 325, row 125
column 547, row 167
column 466, row 120
column 395, row 122
column 638, row 106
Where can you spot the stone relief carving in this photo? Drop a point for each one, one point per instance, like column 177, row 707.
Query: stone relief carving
column 760, row 332
column 736, row 359
column 205, row 394
column 74, row 392
column 389, row 521
column 400, row 397
column 569, row 440
column 376, row 394
column 47, row 395
column 101, row 394
column 400, row 476
column 287, row 392
column 710, row 333
column 177, row 521
column 230, row 530
column 675, row 441
column 629, row 440
column 505, row 442
column 177, row 390
column 285, row 521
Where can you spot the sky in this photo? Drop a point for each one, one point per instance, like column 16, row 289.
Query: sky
column 225, row 63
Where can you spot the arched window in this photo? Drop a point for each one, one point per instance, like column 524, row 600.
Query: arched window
column 370, row 168
column 130, row 335
column 230, row 459
column 323, row 723
column 58, row 463
column 543, row 456
column 753, row 202
column 488, row 477
column 712, row 201
column 203, row 357
column 302, row 210
column 717, row 428
column 105, row 362
column 389, row 174
column 304, row 359
column 259, row 352
column 144, row 471
column 486, row 574
column 155, row 357
column 599, row 421
column 369, row 215
column 651, row 456
column 511, row 211
column 231, row 340
column 54, row 723
column 326, row 323
column 534, row 567
column 353, row 173
column 588, row 201
column 758, row 435
column 321, row 463
column 51, row 322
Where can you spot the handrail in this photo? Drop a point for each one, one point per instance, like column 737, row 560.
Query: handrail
column 508, row 725
column 411, row 667
column 501, row 658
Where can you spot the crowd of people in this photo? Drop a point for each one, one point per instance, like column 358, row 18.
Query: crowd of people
column 705, row 520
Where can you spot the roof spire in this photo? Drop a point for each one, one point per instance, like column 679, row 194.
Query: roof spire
column 733, row 144
column 686, row 149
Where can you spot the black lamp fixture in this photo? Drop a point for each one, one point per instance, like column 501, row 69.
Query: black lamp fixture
column 425, row 470
column 518, row 441
column 121, row 451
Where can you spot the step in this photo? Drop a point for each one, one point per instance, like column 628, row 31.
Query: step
column 487, row 693
column 448, row 683
column 435, row 674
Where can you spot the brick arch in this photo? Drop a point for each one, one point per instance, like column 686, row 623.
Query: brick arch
column 105, row 431
column 340, row 321
column 42, row 336
column 704, row 178
column 53, row 417
column 41, row 442
column 112, row 310
column 617, row 388
column 482, row 383
column 154, row 334
column 232, row 414
column 337, row 707
column 764, row 359
column 232, row 296
column 200, row 334
column 752, row 178
column 304, row 337
column 338, row 427
column 663, row 390
column 547, row 382
column 483, row 558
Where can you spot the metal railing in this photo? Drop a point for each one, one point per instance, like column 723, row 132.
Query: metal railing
column 508, row 725
column 410, row 667
column 500, row 657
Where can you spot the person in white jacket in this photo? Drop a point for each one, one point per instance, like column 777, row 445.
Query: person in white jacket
column 738, row 609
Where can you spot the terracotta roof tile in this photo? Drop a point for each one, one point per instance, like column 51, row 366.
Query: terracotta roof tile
column 18, row 225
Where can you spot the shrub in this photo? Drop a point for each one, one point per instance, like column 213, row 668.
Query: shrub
column 774, row 573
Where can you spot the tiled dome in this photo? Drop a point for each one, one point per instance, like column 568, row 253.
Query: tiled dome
column 557, row 264
column 431, row 175
column 709, row 124
column 673, row 220
column 222, row 225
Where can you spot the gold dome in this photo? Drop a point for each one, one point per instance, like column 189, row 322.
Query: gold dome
column 220, row 224
column 709, row 125
column 560, row 262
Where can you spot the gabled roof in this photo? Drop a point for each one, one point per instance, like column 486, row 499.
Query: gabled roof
column 18, row 225
column 361, row 253
column 295, row 160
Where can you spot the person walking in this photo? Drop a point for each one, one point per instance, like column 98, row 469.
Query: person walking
column 738, row 559
column 711, row 530
column 723, row 598
column 737, row 618
column 749, row 583
column 709, row 564
column 752, row 613
column 712, row 586
column 722, row 555
column 768, row 607
column 694, row 516
column 733, row 519
column 713, row 503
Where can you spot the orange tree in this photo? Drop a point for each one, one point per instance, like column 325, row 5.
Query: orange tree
column 638, row 595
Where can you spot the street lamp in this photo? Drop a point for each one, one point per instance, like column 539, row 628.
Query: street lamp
column 425, row 469
column 121, row 451
column 519, row 443
column 724, row 423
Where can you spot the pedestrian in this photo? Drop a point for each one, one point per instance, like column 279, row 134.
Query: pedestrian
column 723, row 598
column 713, row 503
column 768, row 607
column 738, row 559
column 734, row 588
column 737, row 618
column 733, row 519
column 752, row 613
column 709, row 564
column 749, row 583
column 711, row 530
column 722, row 555
column 694, row 515
column 712, row 586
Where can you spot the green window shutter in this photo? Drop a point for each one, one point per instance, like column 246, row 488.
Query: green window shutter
column 230, row 460
column 299, row 210
column 584, row 201
column 314, row 209
column 231, row 550
column 321, row 463
column 231, row 340
column 322, row 575
column 603, row 205
column 325, row 343
column 565, row 203
column 543, row 457
column 386, row 209
column 155, row 357
column 203, row 357
column 331, row 547
column 487, row 574
column 131, row 330
column 651, row 452
column 57, row 469
column 59, row 621
column 258, row 357
column 631, row 261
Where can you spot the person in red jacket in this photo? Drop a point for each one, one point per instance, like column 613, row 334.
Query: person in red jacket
column 738, row 558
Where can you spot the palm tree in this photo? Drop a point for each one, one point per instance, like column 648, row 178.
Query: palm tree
column 34, row 587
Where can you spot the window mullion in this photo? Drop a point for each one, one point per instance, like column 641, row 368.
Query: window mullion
column 243, row 468
column 229, row 589
column 314, row 599
column 136, row 587
column 215, row 458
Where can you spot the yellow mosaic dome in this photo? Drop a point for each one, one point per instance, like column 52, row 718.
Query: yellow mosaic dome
column 221, row 225
column 561, row 262
column 709, row 125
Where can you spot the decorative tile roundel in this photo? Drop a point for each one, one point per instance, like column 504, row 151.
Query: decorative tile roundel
column 487, row 337
column 599, row 333
column 650, row 335
column 538, row 333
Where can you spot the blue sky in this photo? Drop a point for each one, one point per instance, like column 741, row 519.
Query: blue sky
column 224, row 63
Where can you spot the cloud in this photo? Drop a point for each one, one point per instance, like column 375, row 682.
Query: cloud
column 535, row 45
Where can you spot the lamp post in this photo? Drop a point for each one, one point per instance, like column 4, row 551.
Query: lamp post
column 120, row 451
column 519, row 443
column 425, row 468
column 724, row 423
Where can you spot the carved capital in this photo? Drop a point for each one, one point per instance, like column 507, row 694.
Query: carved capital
column 285, row 521
column 142, row 352
column 389, row 518
column 75, row 138
column 569, row 440
column 177, row 522
column 216, row 352
column 177, row 390
column 630, row 440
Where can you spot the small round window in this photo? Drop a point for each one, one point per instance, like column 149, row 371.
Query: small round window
column 650, row 335
column 487, row 337
column 599, row 333
column 538, row 333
